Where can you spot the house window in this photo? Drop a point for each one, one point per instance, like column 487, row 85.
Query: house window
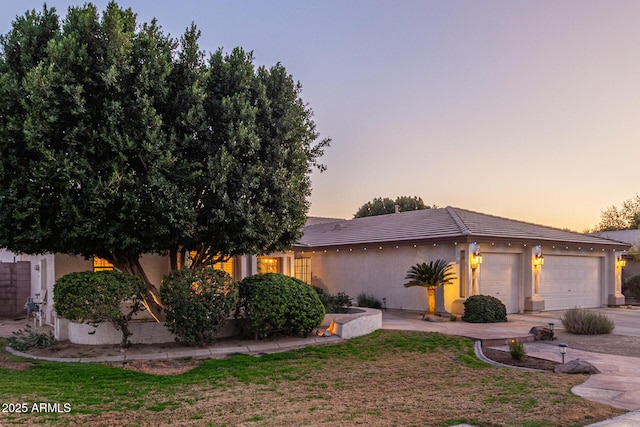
column 268, row 265
column 227, row 266
column 101, row 264
column 302, row 269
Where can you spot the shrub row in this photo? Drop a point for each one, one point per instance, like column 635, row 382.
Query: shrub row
column 197, row 302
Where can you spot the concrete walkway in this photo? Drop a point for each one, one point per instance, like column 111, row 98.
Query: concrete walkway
column 617, row 385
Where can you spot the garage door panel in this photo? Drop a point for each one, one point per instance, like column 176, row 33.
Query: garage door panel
column 500, row 277
column 569, row 281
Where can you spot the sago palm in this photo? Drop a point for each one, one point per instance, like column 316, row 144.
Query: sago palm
column 432, row 275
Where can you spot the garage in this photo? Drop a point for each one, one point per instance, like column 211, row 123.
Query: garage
column 570, row 281
column 500, row 277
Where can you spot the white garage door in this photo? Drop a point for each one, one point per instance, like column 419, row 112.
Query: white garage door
column 569, row 281
column 500, row 277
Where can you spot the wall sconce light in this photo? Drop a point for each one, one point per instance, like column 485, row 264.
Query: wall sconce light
column 620, row 262
column 538, row 259
column 476, row 259
column 563, row 350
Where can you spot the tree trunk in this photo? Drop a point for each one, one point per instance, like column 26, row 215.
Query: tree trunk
column 152, row 297
column 124, row 328
column 431, row 300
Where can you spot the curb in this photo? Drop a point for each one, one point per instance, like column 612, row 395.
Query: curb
column 477, row 347
column 197, row 353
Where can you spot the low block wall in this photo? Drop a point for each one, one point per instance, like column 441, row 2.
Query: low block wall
column 143, row 332
column 359, row 321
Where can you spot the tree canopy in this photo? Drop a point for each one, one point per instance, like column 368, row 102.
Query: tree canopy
column 382, row 206
column 627, row 217
column 117, row 140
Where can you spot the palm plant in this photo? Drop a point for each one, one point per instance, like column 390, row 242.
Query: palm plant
column 432, row 275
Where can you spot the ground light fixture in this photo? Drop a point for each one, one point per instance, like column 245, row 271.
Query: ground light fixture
column 563, row 350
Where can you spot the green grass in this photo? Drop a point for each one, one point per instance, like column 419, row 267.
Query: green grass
column 316, row 372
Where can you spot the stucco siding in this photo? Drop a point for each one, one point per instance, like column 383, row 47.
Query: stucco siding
column 379, row 272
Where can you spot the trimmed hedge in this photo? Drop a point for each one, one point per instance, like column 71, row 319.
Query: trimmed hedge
column 484, row 309
column 274, row 303
column 197, row 303
column 96, row 297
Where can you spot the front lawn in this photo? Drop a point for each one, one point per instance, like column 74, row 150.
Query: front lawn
column 386, row 378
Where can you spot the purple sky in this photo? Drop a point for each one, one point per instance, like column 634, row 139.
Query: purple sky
column 527, row 110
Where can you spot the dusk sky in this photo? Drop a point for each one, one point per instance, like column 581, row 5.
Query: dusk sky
column 526, row 110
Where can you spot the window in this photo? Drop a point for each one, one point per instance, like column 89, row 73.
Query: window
column 268, row 265
column 302, row 269
column 101, row 264
column 227, row 266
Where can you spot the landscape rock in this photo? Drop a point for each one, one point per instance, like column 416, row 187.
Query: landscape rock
column 542, row 333
column 576, row 366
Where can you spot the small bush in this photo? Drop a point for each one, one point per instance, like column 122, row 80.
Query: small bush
column 338, row 303
column 24, row 340
column 631, row 287
column 274, row 303
column 584, row 322
column 369, row 301
column 197, row 303
column 517, row 351
column 484, row 309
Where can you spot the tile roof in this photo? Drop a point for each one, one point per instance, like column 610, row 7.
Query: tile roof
column 442, row 224
column 631, row 237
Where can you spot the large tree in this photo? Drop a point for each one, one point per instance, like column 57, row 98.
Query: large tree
column 117, row 140
column 627, row 217
column 383, row 206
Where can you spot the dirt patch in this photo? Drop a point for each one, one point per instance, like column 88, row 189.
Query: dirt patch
column 620, row 345
column 15, row 366
column 529, row 362
column 158, row 367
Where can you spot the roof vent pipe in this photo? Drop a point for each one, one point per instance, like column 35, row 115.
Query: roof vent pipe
column 397, row 209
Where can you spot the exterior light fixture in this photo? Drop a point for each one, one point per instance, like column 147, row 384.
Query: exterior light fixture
column 476, row 260
column 384, row 301
column 563, row 350
column 538, row 259
column 476, row 257
column 620, row 262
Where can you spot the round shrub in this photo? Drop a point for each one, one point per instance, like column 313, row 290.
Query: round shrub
column 197, row 302
column 274, row 303
column 102, row 296
column 585, row 322
column 631, row 287
column 484, row 309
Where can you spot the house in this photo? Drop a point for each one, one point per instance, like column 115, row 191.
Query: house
column 32, row 277
column 630, row 237
column 528, row 267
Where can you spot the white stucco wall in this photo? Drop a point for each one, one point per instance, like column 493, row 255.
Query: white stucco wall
column 380, row 272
